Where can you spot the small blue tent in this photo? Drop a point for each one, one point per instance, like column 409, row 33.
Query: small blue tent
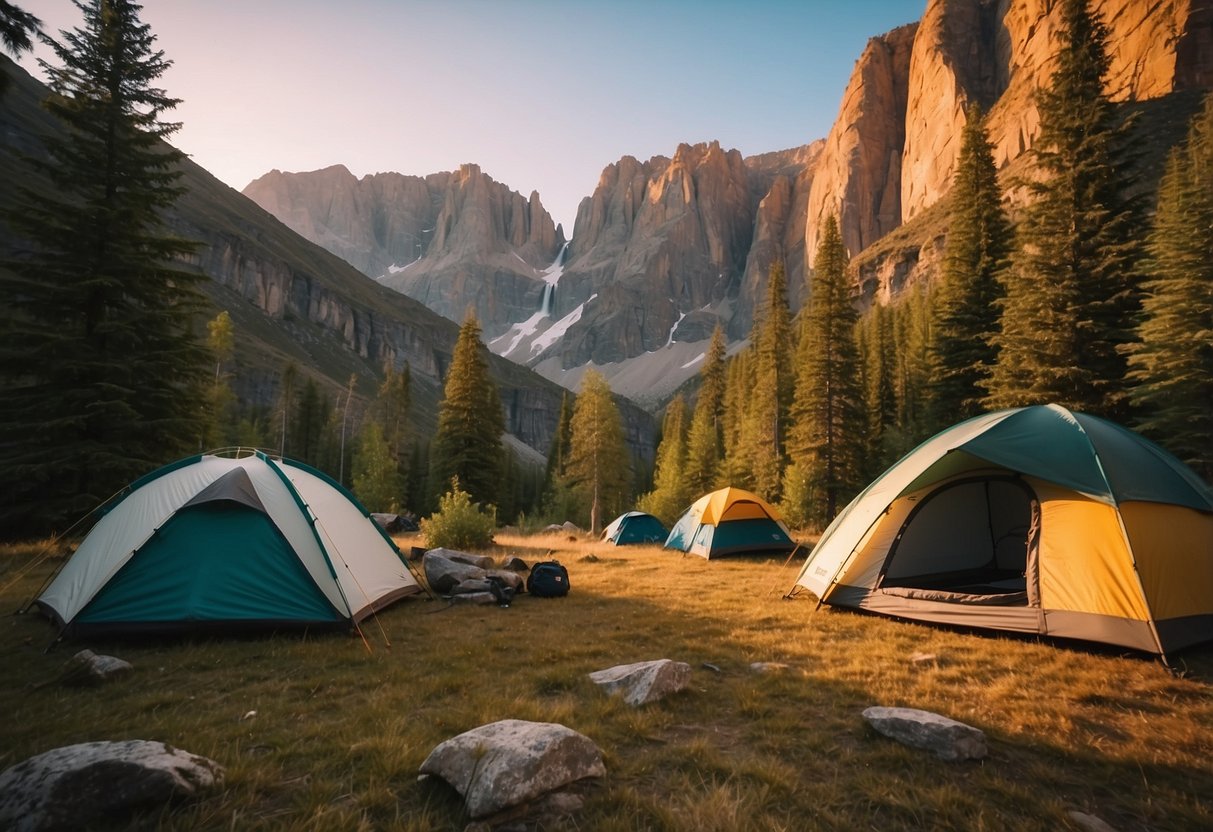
column 634, row 527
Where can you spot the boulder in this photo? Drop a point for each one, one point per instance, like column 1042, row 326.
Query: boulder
column 516, row 564
column 86, row 668
column 481, row 561
column 509, row 578
column 72, row 787
column 467, row 587
column 644, row 682
column 478, row 598
column 513, row 761
column 946, row 738
column 444, row 574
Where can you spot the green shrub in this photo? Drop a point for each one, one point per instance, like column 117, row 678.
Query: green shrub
column 459, row 523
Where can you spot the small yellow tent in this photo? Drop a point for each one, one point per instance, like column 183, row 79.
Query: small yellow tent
column 1034, row 520
column 728, row 522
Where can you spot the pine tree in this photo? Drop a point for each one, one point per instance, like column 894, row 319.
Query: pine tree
column 597, row 467
column 467, row 444
column 17, row 29
column 1071, row 289
column 288, row 383
column 311, row 421
column 557, row 499
column 704, row 438
column 735, row 467
column 765, row 425
column 826, row 438
column 1172, row 364
column 670, row 494
column 880, row 398
column 913, row 332
column 961, row 353
column 221, row 401
column 103, row 372
column 391, row 410
column 377, row 482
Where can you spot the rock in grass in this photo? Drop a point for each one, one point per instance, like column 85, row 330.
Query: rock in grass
column 946, row 738
column 481, row 561
column 443, row 573
column 1090, row 823
column 86, row 668
column 513, row 761
column 516, row 564
column 644, row 682
column 74, row 786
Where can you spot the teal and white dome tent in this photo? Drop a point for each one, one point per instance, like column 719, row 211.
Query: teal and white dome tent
column 220, row 543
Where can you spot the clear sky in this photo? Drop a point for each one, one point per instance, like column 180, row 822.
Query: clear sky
column 542, row 94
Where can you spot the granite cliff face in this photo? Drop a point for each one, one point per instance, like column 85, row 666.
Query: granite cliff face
column 453, row 241
column 666, row 249
column 880, row 170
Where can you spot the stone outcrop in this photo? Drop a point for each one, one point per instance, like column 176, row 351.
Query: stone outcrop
column 643, row 682
column 946, row 738
column 88, row 669
column 75, row 786
column 511, row 762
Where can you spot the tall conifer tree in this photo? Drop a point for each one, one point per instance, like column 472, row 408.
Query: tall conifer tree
column 826, row 439
column 978, row 245
column 880, row 399
column 704, row 437
column 765, row 425
column 1072, row 287
column 391, row 410
column 597, row 467
column 670, row 494
column 1172, row 364
column 467, row 444
column 17, row 28
column 103, row 372
column 735, row 467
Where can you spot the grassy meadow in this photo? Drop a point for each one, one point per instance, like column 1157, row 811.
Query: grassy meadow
column 326, row 733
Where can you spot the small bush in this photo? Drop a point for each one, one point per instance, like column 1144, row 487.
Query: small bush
column 459, row 523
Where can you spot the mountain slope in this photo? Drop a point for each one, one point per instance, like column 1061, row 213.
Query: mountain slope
column 292, row 300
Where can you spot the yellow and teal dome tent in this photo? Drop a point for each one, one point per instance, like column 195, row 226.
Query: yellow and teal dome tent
column 729, row 521
column 1033, row 520
column 228, row 543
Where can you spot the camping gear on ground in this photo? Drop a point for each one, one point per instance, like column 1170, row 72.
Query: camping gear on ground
column 728, row 522
column 633, row 527
column 548, row 579
column 220, row 543
column 1034, row 520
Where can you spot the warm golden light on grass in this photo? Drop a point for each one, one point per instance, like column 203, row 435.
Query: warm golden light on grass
column 339, row 733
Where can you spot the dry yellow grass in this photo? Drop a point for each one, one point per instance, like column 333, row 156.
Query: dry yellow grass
column 339, row 732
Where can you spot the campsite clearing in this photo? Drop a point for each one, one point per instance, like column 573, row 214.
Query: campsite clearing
column 317, row 733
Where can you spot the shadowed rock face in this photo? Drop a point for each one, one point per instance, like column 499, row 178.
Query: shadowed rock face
column 454, row 241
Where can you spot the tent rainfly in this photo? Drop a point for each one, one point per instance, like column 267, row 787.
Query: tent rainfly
column 218, row 543
column 729, row 522
column 1033, row 520
column 634, row 527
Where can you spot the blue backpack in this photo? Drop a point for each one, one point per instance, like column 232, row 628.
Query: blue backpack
column 548, row 580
